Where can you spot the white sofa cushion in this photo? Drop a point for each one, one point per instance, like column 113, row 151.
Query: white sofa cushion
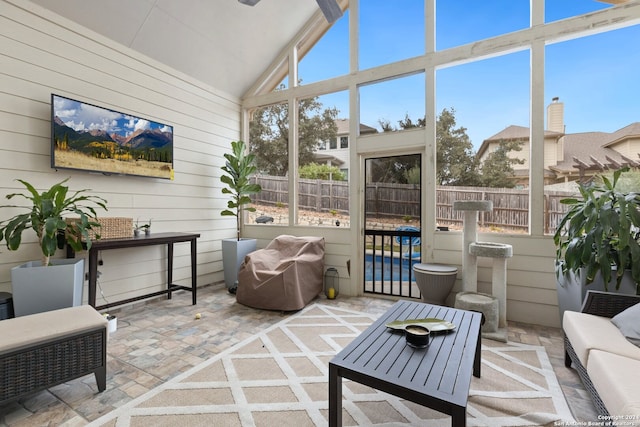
column 615, row 378
column 587, row 332
column 628, row 322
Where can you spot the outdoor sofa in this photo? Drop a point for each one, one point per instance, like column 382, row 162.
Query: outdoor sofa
column 605, row 357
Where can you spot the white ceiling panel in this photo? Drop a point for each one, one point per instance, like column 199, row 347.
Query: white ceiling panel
column 222, row 43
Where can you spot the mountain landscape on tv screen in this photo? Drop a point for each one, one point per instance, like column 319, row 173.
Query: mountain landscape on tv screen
column 143, row 144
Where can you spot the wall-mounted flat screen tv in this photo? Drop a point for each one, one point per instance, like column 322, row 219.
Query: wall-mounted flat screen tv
column 95, row 139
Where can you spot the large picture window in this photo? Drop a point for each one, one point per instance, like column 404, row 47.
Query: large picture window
column 482, row 139
column 459, row 22
column 479, row 89
column 332, row 50
column 556, row 10
column 594, row 118
column 385, row 28
column 323, row 186
column 395, row 104
column 269, row 142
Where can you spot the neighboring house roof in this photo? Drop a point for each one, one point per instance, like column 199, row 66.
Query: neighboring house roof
column 517, row 132
column 512, row 133
column 581, row 146
column 631, row 130
column 582, row 151
column 592, row 150
column 343, row 127
column 324, row 156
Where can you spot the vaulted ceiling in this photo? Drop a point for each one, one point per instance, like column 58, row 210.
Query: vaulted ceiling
column 222, row 43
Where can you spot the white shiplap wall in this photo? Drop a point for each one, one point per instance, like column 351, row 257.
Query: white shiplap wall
column 42, row 53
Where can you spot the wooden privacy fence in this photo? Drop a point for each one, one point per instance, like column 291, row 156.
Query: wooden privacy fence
column 510, row 207
column 402, row 201
column 313, row 194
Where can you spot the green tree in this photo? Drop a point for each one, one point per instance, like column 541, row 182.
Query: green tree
column 407, row 123
column 413, row 175
column 320, row 171
column 404, row 124
column 395, row 169
column 268, row 139
column 456, row 163
column 269, row 134
column 497, row 170
column 385, row 125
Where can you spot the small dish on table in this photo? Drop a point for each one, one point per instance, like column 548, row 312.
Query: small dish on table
column 431, row 323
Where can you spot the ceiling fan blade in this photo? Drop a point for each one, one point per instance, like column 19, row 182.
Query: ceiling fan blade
column 330, row 9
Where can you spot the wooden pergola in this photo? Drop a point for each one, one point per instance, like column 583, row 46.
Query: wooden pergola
column 588, row 170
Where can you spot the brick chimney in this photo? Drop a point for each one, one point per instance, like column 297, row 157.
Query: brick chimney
column 555, row 122
column 555, row 115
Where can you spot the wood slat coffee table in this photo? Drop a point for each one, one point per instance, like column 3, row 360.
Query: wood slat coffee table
column 438, row 376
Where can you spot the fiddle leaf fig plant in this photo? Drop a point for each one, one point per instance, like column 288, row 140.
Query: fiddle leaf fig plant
column 600, row 232
column 238, row 169
column 45, row 218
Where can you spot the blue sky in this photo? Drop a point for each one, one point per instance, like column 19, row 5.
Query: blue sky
column 594, row 77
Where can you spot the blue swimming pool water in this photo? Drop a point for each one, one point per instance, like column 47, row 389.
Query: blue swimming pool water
column 388, row 268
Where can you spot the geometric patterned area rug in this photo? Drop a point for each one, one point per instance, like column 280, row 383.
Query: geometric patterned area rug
column 279, row 378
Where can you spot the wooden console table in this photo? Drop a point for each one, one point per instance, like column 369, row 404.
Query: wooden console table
column 131, row 242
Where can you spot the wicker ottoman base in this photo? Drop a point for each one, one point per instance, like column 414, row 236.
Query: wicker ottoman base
column 46, row 349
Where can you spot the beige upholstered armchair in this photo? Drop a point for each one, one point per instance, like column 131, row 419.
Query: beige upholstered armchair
column 286, row 275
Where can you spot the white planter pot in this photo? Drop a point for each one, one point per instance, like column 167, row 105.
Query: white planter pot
column 572, row 289
column 37, row 289
column 233, row 253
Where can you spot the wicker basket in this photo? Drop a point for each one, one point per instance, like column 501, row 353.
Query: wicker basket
column 110, row 227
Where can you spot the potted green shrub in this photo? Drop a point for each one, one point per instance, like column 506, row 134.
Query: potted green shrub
column 598, row 242
column 238, row 169
column 50, row 283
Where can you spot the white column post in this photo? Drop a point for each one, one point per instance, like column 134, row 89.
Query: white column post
column 499, row 289
column 470, row 235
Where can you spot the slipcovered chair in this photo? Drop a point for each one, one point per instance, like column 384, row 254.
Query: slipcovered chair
column 286, row 275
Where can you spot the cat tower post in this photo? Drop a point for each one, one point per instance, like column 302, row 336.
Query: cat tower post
column 499, row 252
column 494, row 305
column 470, row 235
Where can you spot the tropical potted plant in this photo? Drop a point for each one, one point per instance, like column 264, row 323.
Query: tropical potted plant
column 49, row 284
column 598, row 242
column 238, row 169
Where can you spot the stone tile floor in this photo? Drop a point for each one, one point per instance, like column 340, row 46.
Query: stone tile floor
column 160, row 339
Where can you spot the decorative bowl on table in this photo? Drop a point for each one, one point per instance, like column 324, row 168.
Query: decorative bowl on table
column 417, row 336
